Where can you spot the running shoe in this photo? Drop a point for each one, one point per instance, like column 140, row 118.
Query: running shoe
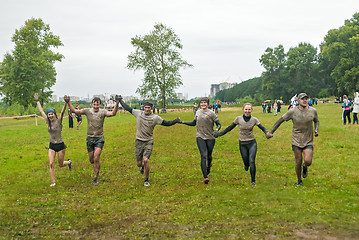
column 206, row 180
column 70, row 165
column 53, row 184
column 300, row 183
column 95, row 182
column 146, row 184
column 305, row 171
column 142, row 170
column 254, row 184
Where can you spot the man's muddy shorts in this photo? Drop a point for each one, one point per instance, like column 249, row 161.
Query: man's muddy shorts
column 57, row 147
column 143, row 148
column 306, row 147
column 93, row 142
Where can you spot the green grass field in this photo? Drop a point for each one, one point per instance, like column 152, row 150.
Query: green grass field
column 178, row 205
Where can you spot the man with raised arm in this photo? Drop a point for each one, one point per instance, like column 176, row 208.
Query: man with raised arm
column 146, row 122
column 95, row 138
column 302, row 117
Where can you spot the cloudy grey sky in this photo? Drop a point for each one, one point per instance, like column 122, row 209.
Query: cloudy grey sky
column 222, row 39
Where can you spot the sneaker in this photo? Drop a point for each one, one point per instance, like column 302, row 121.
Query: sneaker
column 300, row 183
column 206, row 180
column 53, row 184
column 70, row 165
column 95, row 182
column 146, row 184
column 305, row 171
column 209, row 169
column 254, row 184
column 142, row 170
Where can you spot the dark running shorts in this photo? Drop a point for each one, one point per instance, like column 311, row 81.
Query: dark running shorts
column 93, row 142
column 57, row 147
column 143, row 148
column 306, row 147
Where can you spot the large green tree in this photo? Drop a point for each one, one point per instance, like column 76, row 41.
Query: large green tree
column 339, row 53
column 30, row 66
column 302, row 64
column 157, row 55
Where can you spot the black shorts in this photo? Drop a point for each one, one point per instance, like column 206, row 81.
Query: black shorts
column 79, row 119
column 93, row 142
column 57, row 147
column 306, row 147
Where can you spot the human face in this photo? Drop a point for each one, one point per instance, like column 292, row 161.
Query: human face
column 303, row 102
column 204, row 105
column 247, row 110
column 51, row 116
column 147, row 110
column 96, row 106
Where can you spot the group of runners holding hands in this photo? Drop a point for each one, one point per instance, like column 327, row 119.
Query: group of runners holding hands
column 302, row 117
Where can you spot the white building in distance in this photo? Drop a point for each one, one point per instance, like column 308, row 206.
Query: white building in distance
column 215, row 88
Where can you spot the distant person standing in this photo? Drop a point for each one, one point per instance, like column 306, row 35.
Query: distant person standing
column 95, row 139
column 71, row 120
column 355, row 107
column 264, row 106
column 279, row 104
column 195, row 108
column 302, row 117
column 346, row 109
column 56, row 145
column 275, row 107
column 78, row 118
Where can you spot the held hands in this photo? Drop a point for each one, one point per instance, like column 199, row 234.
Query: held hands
column 178, row 120
column 36, row 97
column 269, row 135
column 67, row 98
column 118, row 98
column 215, row 133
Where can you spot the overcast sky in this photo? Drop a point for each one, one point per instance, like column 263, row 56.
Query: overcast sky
column 222, row 39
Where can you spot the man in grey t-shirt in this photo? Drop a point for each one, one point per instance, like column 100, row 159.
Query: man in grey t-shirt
column 302, row 117
column 146, row 122
column 95, row 138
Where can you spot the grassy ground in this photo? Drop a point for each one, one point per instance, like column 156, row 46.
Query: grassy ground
column 178, row 205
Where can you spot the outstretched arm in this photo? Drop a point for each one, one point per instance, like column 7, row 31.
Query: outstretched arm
column 261, row 127
column 170, row 123
column 276, row 125
column 193, row 123
column 67, row 100
column 62, row 112
column 36, row 97
column 115, row 109
column 228, row 129
column 123, row 104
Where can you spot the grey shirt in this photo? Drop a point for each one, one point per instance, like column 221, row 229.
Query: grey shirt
column 205, row 122
column 246, row 128
column 145, row 124
column 302, row 134
column 55, row 131
column 95, row 121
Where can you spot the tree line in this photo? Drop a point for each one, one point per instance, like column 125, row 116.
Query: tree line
column 333, row 71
